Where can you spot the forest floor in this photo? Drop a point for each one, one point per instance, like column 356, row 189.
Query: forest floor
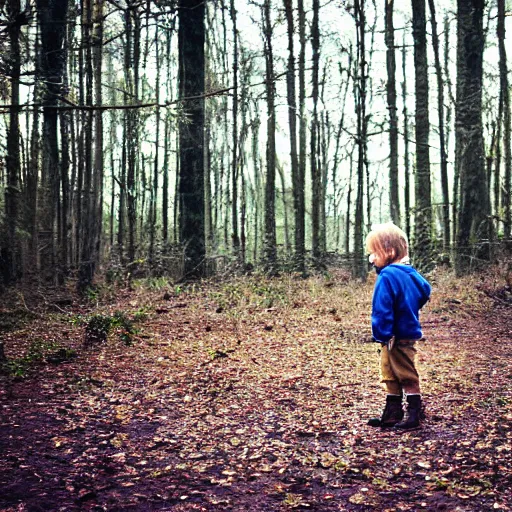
column 252, row 395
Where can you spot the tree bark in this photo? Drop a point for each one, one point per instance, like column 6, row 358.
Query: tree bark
column 300, row 233
column 505, row 93
column 191, row 40
column 474, row 224
column 423, row 208
column 316, row 179
column 86, row 263
column 52, row 18
column 10, row 267
column 449, row 108
column 407, row 169
column 394, row 196
column 298, row 192
column 359, row 265
column 156, row 163
column 234, row 161
column 442, row 140
column 270, row 249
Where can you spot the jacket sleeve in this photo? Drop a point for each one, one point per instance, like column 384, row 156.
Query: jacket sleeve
column 427, row 290
column 383, row 315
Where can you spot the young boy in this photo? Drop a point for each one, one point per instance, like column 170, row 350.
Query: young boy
column 400, row 292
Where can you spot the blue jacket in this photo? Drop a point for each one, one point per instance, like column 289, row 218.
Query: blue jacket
column 400, row 292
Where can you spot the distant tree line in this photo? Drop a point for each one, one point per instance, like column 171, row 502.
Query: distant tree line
column 178, row 134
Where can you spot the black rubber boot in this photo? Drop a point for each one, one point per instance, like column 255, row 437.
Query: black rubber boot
column 414, row 413
column 393, row 413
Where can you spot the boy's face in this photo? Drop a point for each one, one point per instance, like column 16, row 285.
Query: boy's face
column 376, row 260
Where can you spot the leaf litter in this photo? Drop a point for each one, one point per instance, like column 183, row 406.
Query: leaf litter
column 254, row 395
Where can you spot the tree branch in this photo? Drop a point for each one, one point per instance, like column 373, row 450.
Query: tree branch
column 74, row 106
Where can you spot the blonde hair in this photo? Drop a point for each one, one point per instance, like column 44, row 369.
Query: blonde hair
column 388, row 242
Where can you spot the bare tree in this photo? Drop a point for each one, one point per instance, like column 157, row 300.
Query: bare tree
column 407, row 171
column 360, row 91
column 316, row 176
column 234, row 148
column 52, row 20
column 298, row 185
column 10, row 264
column 423, row 211
column 505, row 101
column 442, row 141
column 473, row 222
column 191, row 37
column 270, row 250
column 394, row 197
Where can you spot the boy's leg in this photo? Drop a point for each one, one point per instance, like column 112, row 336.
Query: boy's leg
column 388, row 377
column 393, row 412
column 402, row 361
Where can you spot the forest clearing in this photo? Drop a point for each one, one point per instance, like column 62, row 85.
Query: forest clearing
column 252, row 394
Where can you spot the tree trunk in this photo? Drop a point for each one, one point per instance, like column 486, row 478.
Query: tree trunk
column 191, row 37
column 234, row 149
column 287, row 244
column 165, row 183
column 442, row 140
column 505, row 92
column 359, row 266
column 270, row 250
column 474, row 218
column 257, row 185
column 32, row 182
column 64, row 245
column 167, row 145
column 336, row 160
column 298, row 193
column 407, row 169
column 423, row 212
column 132, row 60
column 316, row 179
column 449, row 107
column 10, row 249
column 348, row 216
column 324, row 144
column 208, row 204
column 52, row 18
column 394, row 196
column 300, row 228
column 156, row 162
column 86, row 265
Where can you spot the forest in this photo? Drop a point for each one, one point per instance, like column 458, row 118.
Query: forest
column 182, row 138
column 185, row 294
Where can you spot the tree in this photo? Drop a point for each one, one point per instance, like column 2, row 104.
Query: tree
column 449, row 108
column 156, row 163
column 10, row 264
column 234, row 160
column 505, row 100
column 270, row 249
column 407, row 173
column 442, row 141
column 394, row 197
column 423, row 209
column 300, row 228
column 316, row 171
column 474, row 214
column 298, row 185
column 52, row 20
column 191, row 39
column 360, row 85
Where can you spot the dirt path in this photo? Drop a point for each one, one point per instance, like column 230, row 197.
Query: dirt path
column 254, row 396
